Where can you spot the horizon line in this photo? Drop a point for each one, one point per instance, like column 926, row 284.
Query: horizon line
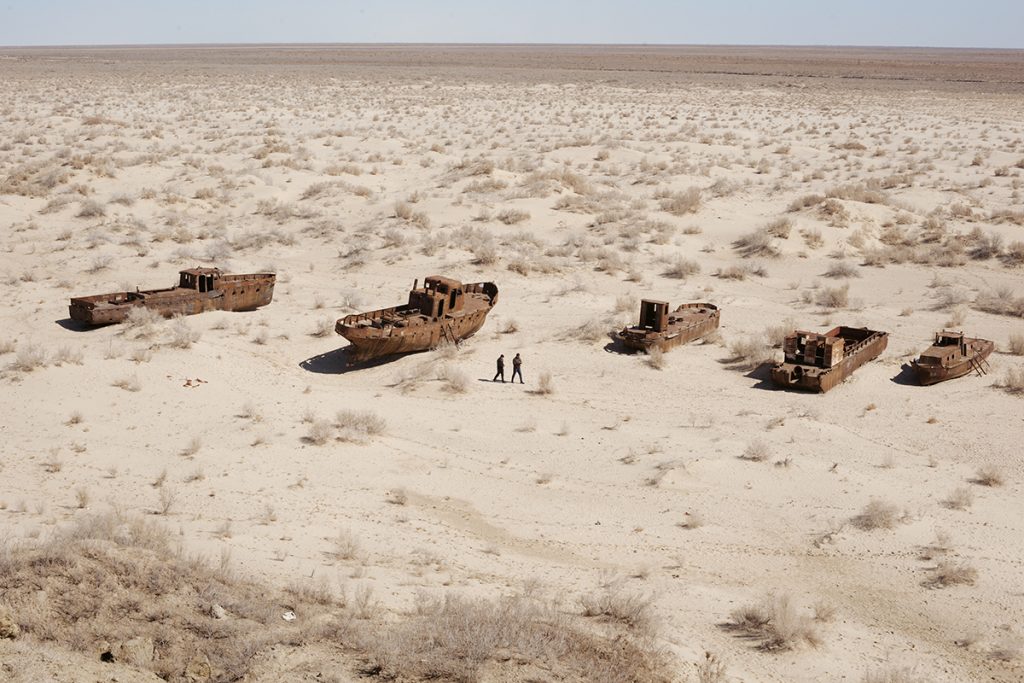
column 501, row 44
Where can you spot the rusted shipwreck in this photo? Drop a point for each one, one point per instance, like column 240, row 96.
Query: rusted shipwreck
column 441, row 310
column 661, row 329
column 820, row 361
column 952, row 355
column 198, row 290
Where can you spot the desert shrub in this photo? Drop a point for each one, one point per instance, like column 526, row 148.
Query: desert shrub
column 512, row 216
column 776, row 623
column 987, row 246
column 833, row 297
column 545, row 384
column 747, row 353
column 989, row 475
column 634, row 610
column 681, row 268
column 780, row 228
column 358, row 425
column 320, row 432
column 1001, row 301
column 877, row 514
column 455, row 380
column 656, row 358
column 949, row 573
column 756, row 243
column 960, row 499
column 455, row 639
column 679, row 203
column 182, row 334
column 29, row 357
column 1013, row 380
column 842, row 269
column 141, row 322
column 893, row 675
column 1014, row 254
column 90, row 208
column 1016, row 344
column 324, row 327
column 757, row 451
column 118, row 580
column 805, row 202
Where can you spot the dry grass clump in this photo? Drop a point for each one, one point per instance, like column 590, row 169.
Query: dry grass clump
column 141, row 322
column 877, row 514
column 29, row 357
column 989, row 475
column 681, row 268
column 757, row 451
column 90, row 208
column 960, row 499
column 182, row 334
column 949, row 573
column 756, row 243
column 1001, row 301
column 358, row 425
column 780, row 227
column 545, row 384
column 129, row 383
column 679, row 203
column 842, row 269
column 1013, row 381
column 455, row 380
column 777, row 623
column 511, row 216
column 456, row 639
column 1016, row 344
column 118, row 580
column 833, row 297
column 747, row 353
column 656, row 358
column 633, row 610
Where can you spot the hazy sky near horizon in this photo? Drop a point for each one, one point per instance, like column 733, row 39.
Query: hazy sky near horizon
column 933, row 23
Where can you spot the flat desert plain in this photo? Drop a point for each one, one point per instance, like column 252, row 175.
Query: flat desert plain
column 220, row 497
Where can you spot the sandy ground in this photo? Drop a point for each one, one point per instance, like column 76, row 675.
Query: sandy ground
column 121, row 169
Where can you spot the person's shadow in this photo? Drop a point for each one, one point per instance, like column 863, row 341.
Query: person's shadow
column 337, row 362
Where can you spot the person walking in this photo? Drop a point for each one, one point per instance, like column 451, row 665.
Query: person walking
column 517, row 369
column 501, row 369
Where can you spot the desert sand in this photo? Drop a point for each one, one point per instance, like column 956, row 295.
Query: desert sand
column 657, row 498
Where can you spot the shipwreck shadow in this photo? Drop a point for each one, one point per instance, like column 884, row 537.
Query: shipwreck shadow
column 336, row 362
column 905, row 377
column 763, row 374
column 73, row 325
column 616, row 346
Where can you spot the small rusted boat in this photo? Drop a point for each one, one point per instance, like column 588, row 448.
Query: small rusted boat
column 952, row 355
column 818, row 362
column 664, row 330
column 198, row 290
column 441, row 310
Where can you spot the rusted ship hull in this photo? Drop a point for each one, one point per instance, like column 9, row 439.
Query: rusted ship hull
column 236, row 293
column 399, row 330
column 933, row 374
column 696, row 320
column 809, row 378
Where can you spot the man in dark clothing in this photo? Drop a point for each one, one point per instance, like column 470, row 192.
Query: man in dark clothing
column 501, row 369
column 517, row 369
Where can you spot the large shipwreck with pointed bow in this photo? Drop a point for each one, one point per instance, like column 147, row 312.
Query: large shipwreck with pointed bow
column 442, row 310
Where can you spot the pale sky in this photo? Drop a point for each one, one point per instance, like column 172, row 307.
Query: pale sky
column 932, row 23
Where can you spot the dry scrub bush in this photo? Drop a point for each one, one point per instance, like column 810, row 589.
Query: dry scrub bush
column 141, row 322
column 780, row 227
column 320, row 432
column 747, row 353
column 877, row 514
column 633, row 610
column 512, row 216
column 656, row 358
column 130, row 383
column 182, row 334
column 324, row 328
column 679, row 203
column 960, row 499
column 455, row 380
column 1016, row 345
column 776, row 623
column 833, row 297
column 1001, row 301
column 757, row 451
column 118, row 580
column 29, row 357
column 358, row 425
column 842, row 269
column 545, row 384
column 989, row 475
column 949, row 573
column 681, row 268
column 458, row 639
column 756, row 243
column 1013, row 381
